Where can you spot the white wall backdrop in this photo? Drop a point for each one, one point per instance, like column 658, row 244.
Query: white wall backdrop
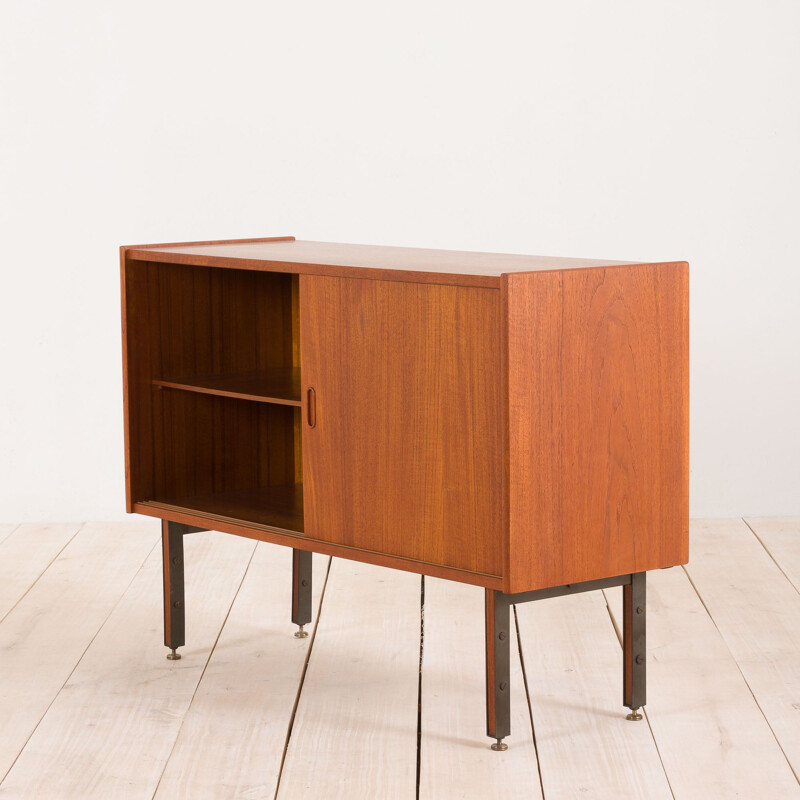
column 621, row 129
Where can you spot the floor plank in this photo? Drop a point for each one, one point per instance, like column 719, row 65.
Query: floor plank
column 47, row 632
column 456, row 761
column 24, row 555
column 585, row 745
column 757, row 611
column 111, row 729
column 6, row 529
column 781, row 537
column 355, row 731
column 712, row 737
column 232, row 739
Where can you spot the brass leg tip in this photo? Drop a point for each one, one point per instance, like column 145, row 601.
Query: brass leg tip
column 634, row 716
column 499, row 746
column 173, row 656
column 300, row 633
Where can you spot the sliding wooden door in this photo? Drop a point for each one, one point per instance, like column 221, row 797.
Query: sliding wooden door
column 402, row 422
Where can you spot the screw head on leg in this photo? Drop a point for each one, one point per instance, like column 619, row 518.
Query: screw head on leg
column 300, row 633
column 174, row 655
column 499, row 746
column 634, row 716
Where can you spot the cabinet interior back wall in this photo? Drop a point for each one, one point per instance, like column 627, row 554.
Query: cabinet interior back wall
column 195, row 321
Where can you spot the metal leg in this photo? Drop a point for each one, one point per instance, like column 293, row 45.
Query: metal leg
column 498, row 653
column 174, row 612
column 634, row 614
column 498, row 607
column 301, row 590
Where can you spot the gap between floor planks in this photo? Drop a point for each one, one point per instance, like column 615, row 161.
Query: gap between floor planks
column 234, row 735
column 712, row 738
column 54, row 622
column 26, row 551
column 6, row 528
column 756, row 609
column 110, row 729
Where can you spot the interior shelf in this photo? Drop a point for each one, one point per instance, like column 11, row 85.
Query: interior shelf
column 279, row 385
column 275, row 507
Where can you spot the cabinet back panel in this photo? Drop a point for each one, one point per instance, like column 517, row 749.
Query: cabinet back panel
column 209, row 445
column 222, row 321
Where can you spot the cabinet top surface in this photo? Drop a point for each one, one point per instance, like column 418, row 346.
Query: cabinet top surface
column 294, row 256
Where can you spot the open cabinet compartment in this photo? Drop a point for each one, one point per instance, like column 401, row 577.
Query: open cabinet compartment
column 213, row 392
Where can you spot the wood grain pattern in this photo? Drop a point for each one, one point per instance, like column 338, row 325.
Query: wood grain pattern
column 449, row 267
column 596, row 373
column 278, row 507
column 217, row 445
column 280, row 385
column 125, row 248
column 405, row 457
column 298, row 416
column 182, row 322
column 531, row 434
column 263, row 533
column 138, row 344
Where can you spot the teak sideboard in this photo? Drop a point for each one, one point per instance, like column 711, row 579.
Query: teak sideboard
column 515, row 422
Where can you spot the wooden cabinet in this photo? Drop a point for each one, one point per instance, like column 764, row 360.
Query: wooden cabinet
column 515, row 422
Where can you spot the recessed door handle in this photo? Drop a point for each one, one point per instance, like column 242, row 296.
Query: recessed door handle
column 311, row 407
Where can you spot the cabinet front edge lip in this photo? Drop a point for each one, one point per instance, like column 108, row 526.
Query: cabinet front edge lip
column 332, row 270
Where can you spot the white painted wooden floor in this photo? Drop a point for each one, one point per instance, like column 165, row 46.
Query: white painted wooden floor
column 90, row 707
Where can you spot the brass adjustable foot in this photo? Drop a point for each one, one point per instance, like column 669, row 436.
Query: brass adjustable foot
column 300, row 633
column 174, row 655
column 499, row 745
column 634, row 716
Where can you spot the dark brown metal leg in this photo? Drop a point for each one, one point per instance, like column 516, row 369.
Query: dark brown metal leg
column 634, row 614
column 301, row 590
column 498, row 655
column 174, row 612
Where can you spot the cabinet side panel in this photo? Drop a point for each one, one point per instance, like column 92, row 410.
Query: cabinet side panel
column 405, row 457
column 597, row 370
column 137, row 337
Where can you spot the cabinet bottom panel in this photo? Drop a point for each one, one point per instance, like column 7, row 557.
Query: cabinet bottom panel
column 291, row 537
